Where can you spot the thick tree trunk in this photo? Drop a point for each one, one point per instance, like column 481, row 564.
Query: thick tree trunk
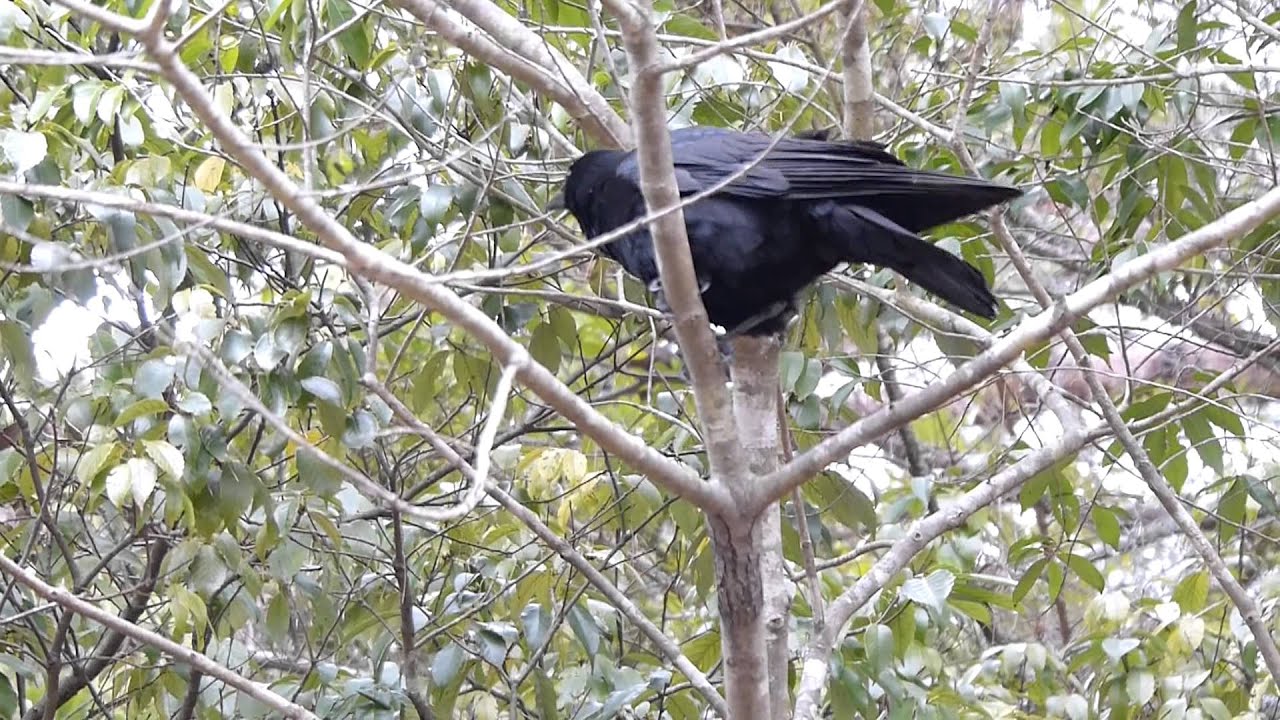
column 755, row 383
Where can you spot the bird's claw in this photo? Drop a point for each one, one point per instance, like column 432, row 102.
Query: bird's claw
column 659, row 297
column 772, row 311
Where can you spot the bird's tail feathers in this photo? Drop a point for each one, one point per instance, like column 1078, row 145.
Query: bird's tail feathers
column 914, row 199
column 864, row 235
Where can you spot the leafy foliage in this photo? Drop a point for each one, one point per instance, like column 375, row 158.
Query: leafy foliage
column 166, row 489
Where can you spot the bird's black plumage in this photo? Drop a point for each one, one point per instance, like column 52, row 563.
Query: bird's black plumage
column 804, row 207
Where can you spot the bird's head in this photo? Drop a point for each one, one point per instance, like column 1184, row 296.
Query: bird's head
column 586, row 175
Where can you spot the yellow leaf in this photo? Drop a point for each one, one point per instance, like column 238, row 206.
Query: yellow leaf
column 209, row 174
column 573, row 465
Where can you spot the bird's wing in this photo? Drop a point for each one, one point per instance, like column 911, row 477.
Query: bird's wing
column 840, row 171
column 812, row 169
column 704, row 157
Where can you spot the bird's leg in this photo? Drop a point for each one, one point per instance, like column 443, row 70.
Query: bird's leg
column 772, row 311
column 660, row 298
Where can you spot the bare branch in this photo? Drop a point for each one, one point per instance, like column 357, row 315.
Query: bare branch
column 141, row 207
column 1036, row 329
column 480, row 476
column 178, row 653
column 1257, row 22
column 34, row 56
column 813, row 672
column 756, row 409
column 104, row 655
column 671, row 243
column 106, row 18
column 924, row 531
column 859, row 95
column 514, row 49
column 976, row 60
column 367, row 486
column 564, row 549
column 376, row 266
column 1159, row 487
column 755, row 38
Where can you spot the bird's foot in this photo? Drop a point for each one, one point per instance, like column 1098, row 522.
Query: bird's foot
column 660, row 298
column 771, row 312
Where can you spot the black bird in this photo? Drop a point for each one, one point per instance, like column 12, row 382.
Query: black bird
column 804, row 207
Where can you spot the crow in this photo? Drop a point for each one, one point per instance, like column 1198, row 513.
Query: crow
column 798, row 208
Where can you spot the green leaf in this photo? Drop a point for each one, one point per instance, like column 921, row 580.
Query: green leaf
column 792, row 364
column 1214, row 708
column 1186, row 27
column 96, row 460
column 1050, row 138
column 703, row 651
column 1261, row 493
column 842, row 500
column 1231, row 509
column 324, row 389
column 1192, row 592
column 1242, row 136
column 278, row 617
column 544, row 346
column 1226, row 419
column 932, row 592
column 537, row 622
column 1086, row 571
column 131, row 481
column 1147, row 406
column 809, row 379
column 1140, row 685
column 24, row 150
column 1029, row 579
column 8, row 698
column 1106, row 525
column 316, row 360
column 166, row 457
column 546, row 695
column 878, row 641
column 1202, row 438
column 317, row 475
column 585, row 628
column 140, row 409
column 1175, row 464
column 1117, row 648
column 1014, row 95
column 16, row 212
column 15, row 346
column 426, row 380
column 936, row 24
column 447, row 664
column 1094, row 341
column 1056, row 577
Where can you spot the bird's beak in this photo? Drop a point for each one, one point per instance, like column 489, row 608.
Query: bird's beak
column 555, row 203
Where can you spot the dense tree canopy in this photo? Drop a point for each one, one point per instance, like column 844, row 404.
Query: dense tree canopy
column 307, row 406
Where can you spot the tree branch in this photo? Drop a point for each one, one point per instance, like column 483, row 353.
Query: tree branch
column 924, row 531
column 758, row 659
column 859, row 95
column 671, row 243
column 564, row 549
column 374, row 265
column 817, row 656
column 1169, row 499
column 1031, row 331
column 179, row 653
column 755, row 38
column 513, row 48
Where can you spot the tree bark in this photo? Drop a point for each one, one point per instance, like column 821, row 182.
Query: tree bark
column 755, row 397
